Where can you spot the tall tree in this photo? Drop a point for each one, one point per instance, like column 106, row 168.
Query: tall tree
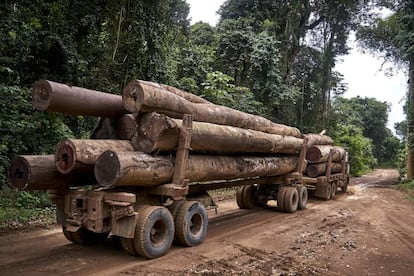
column 392, row 38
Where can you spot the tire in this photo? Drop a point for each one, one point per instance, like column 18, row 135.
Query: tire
column 86, row 237
column 281, row 199
column 344, row 187
column 239, row 198
column 334, row 187
column 191, row 224
column 249, row 197
column 291, row 200
column 154, row 232
column 68, row 235
column 328, row 192
column 303, row 197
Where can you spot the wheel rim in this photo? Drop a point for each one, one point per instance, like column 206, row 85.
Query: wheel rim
column 158, row 233
column 196, row 225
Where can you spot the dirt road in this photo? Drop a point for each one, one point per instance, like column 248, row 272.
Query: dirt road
column 369, row 231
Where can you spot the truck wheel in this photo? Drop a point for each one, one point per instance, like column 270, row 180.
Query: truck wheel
column 328, row 192
column 154, row 232
column 191, row 224
column 281, row 199
column 249, row 197
column 303, row 197
column 291, row 200
column 246, row 198
column 86, row 237
column 334, row 187
column 68, row 235
column 344, row 187
column 240, row 199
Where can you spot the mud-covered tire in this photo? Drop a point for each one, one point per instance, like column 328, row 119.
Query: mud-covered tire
column 86, row 237
column 191, row 223
column 334, row 187
column 249, row 197
column 68, row 235
column 154, row 232
column 281, row 199
column 240, row 199
column 291, row 200
column 303, row 197
column 246, row 197
column 344, row 187
column 328, row 192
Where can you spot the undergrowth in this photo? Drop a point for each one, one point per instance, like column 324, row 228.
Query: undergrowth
column 407, row 187
column 24, row 209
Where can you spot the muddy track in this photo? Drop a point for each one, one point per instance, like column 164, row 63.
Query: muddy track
column 368, row 231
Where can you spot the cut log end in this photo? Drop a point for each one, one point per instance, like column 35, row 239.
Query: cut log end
column 19, row 173
column 107, row 169
column 65, row 156
column 133, row 96
column 41, row 95
column 313, row 154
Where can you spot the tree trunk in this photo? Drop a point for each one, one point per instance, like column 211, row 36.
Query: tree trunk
column 138, row 96
column 314, row 170
column 318, row 139
column 139, row 169
column 126, row 126
column 320, row 153
column 158, row 132
column 38, row 172
column 63, row 98
column 188, row 96
column 410, row 119
column 80, row 155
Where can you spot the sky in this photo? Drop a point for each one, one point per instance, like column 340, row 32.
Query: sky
column 362, row 72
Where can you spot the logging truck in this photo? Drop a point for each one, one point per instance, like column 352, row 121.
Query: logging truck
column 157, row 151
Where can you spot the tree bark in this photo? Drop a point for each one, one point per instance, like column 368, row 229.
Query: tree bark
column 80, row 155
column 318, row 139
column 38, row 172
column 188, row 96
column 114, row 169
column 126, row 126
column 320, row 153
column 158, row 132
column 63, row 98
column 314, row 170
column 138, row 96
column 410, row 119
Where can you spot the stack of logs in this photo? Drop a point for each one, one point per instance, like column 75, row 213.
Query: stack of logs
column 140, row 135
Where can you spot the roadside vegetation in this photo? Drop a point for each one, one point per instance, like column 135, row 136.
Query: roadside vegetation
column 275, row 59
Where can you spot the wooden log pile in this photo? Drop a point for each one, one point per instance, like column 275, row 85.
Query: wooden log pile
column 142, row 140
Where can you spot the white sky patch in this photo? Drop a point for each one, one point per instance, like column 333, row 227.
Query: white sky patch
column 205, row 11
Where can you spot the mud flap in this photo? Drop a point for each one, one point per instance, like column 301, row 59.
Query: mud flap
column 124, row 227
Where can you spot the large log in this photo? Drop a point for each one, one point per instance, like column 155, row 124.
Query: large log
column 157, row 132
column 63, row 98
column 320, row 153
column 188, row 96
column 139, row 169
column 318, row 139
column 139, row 96
column 314, row 170
column 38, row 172
column 80, row 155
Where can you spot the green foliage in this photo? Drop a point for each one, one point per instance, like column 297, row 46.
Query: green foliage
column 20, row 209
column 371, row 117
column 359, row 147
column 218, row 88
column 408, row 188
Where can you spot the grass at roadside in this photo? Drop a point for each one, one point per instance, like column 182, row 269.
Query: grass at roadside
column 24, row 209
column 407, row 187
